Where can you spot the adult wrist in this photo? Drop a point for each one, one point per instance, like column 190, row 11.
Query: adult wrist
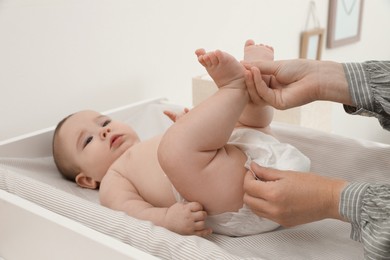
column 337, row 187
column 333, row 84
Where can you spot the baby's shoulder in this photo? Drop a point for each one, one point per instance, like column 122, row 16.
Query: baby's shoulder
column 114, row 187
column 110, row 180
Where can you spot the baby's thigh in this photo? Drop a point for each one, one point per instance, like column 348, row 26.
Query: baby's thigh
column 219, row 185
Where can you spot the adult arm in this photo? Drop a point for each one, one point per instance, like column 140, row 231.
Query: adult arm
column 369, row 86
column 292, row 198
column 365, row 206
column 290, row 83
column 363, row 88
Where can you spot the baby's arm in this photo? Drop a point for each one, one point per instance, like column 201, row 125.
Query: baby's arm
column 181, row 218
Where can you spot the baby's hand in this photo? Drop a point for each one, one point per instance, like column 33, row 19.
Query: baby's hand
column 175, row 116
column 187, row 219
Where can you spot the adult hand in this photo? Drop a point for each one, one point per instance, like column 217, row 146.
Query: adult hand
column 292, row 198
column 291, row 83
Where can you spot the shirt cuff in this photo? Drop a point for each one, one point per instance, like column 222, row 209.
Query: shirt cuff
column 358, row 84
column 350, row 206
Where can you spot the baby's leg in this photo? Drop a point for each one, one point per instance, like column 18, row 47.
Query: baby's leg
column 257, row 113
column 255, row 52
column 225, row 70
column 193, row 151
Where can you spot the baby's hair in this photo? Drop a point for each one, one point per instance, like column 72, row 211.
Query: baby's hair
column 60, row 159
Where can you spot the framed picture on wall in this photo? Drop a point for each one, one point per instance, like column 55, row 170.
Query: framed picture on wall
column 344, row 22
column 311, row 44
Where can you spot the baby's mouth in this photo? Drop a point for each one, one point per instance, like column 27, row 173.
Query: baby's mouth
column 115, row 141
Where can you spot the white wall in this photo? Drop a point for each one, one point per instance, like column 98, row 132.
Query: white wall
column 374, row 45
column 59, row 56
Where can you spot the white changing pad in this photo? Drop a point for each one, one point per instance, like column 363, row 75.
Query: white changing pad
column 37, row 180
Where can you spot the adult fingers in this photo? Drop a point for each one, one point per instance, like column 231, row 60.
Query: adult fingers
column 262, row 89
column 266, row 67
column 258, row 205
column 255, row 188
column 250, row 85
column 264, row 174
column 264, row 186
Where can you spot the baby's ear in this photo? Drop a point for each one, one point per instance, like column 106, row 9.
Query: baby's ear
column 86, row 182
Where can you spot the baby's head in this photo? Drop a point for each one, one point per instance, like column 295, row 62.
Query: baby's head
column 86, row 144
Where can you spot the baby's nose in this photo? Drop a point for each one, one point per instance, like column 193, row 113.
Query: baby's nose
column 104, row 132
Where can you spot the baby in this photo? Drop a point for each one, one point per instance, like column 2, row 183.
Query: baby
column 190, row 179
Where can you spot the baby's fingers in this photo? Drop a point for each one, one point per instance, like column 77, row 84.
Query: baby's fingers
column 204, row 232
column 200, row 215
column 195, row 206
column 171, row 115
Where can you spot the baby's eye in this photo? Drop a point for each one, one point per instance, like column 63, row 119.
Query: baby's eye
column 89, row 139
column 106, row 122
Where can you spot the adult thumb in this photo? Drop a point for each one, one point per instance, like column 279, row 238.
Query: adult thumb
column 263, row 173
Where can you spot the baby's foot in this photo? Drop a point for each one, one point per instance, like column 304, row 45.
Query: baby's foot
column 225, row 70
column 255, row 52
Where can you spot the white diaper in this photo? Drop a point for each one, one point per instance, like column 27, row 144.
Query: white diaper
column 241, row 223
column 267, row 151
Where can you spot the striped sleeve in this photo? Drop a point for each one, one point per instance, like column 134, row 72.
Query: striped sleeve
column 367, row 208
column 369, row 85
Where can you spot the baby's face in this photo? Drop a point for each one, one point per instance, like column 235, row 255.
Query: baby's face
column 94, row 141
